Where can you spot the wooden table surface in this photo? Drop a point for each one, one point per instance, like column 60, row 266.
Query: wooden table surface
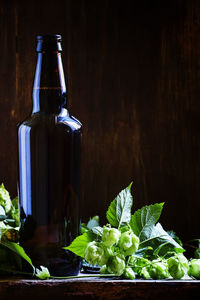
column 98, row 288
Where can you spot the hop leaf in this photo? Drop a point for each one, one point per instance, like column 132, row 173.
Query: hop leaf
column 144, row 219
column 119, row 211
column 80, row 243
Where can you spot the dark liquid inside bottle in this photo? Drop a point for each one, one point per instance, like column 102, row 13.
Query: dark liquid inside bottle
column 49, row 170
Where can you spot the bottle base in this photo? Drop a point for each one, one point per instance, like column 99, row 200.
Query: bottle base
column 60, row 262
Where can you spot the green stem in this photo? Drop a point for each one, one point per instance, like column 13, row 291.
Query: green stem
column 83, row 276
column 57, row 277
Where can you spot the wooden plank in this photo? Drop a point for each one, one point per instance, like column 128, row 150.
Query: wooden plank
column 99, row 289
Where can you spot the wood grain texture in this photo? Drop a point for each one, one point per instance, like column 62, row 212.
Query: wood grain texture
column 133, row 78
column 8, row 100
column 99, row 289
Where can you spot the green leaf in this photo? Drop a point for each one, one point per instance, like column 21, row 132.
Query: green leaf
column 157, row 250
column 10, row 222
column 159, row 239
column 94, row 222
column 2, row 210
column 84, row 228
column 143, row 252
column 97, row 230
column 79, row 244
column 18, row 250
column 119, row 211
column 175, row 237
column 2, row 217
column 144, row 219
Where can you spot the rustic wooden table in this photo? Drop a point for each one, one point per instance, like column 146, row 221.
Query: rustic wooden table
column 98, row 288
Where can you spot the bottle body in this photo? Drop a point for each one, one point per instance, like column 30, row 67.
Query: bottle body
column 49, row 182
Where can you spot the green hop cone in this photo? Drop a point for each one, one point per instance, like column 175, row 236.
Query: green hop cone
column 95, row 254
column 129, row 273
column 104, row 270
column 178, row 266
column 116, row 265
column 139, row 265
column 194, row 268
column 43, row 273
column 144, row 273
column 5, row 200
column 158, row 270
column 110, row 236
column 128, row 242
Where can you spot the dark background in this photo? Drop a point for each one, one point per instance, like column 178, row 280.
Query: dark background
column 133, row 70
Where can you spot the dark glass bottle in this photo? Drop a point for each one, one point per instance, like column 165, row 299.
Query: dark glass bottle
column 49, row 167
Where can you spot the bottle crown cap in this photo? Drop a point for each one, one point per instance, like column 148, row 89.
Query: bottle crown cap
column 49, row 43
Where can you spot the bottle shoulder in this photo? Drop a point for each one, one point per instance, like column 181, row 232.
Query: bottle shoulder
column 29, row 121
column 63, row 119
column 66, row 119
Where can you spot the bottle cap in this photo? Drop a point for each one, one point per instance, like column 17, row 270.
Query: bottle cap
column 49, row 43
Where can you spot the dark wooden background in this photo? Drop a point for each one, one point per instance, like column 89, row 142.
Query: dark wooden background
column 133, row 70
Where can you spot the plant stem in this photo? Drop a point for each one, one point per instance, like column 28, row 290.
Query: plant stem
column 83, row 276
column 57, row 277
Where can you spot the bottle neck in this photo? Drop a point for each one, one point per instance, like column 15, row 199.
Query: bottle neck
column 49, row 90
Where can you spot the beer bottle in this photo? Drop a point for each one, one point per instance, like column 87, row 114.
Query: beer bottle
column 49, row 143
